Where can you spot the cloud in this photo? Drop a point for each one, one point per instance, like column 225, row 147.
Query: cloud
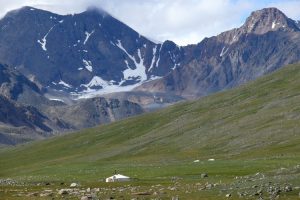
column 289, row 7
column 179, row 20
column 183, row 21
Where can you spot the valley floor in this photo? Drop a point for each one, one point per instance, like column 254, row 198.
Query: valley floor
column 264, row 178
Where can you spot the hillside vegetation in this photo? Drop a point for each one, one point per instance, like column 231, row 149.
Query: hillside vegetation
column 254, row 128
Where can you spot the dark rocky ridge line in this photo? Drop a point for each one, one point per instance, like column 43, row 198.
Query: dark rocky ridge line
column 92, row 50
column 267, row 41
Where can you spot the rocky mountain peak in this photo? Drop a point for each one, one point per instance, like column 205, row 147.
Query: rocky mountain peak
column 96, row 10
column 268, row 19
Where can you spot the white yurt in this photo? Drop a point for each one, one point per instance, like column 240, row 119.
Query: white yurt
column 117, row 178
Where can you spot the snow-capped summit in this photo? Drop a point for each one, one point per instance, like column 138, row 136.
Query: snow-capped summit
column 70, row 52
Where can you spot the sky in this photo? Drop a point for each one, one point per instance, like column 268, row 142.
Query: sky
column 182, row 21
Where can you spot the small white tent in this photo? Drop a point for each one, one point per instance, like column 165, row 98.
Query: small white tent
column 117, row 178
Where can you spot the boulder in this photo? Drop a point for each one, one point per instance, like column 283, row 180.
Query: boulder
column 73, row 185
column 204, row 175
column 228, row 195
column 63, row 192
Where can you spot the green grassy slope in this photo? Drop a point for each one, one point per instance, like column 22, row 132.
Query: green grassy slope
column 249, row 129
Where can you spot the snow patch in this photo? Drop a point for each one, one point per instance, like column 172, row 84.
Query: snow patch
column 80, row 68
column 87, row 36
column 97, row 81
column 153, row 58
column 61, row 21
column 61, row 82
column 140, row 70
column 107, row 88
column 154, row 78
column 43, row 42
column 175, row 66
column 157, row 62
column 273, row 25
column 60, row 100
column 224, row 51
column 88, row 65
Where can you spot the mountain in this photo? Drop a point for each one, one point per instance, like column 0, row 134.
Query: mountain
column 62, row 57
column 249, row 129
column 267, row 41
column 93, row 112
column 82, row 52
column 26, row 114
column 92, row 53
column 14, row 84
column 19, row 121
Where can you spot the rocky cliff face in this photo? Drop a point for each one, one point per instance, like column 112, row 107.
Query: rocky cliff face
column 26, row 114
column 95, row 111
column 267, row 41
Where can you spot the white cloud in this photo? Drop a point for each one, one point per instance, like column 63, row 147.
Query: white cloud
column 183, row 21
column 290, row 7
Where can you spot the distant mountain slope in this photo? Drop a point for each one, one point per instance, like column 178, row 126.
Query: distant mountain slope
column 267, row 41
column 93, row 112
column 13, row 84
column 26, row 114
column 82, row 52
column 260, row 119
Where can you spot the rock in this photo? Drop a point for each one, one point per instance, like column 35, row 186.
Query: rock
column 209, row 186
column 241, row 194
column 172, row 188
column 88, row 190
column 175, row 198
column 46, row 194
column 63, row 192
column 73, row 185
column 35, row 194
column 288, row 188
column 228, row 195
column 142, row 193
column 84, row 198
column 258, row 193
column 204, row 175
